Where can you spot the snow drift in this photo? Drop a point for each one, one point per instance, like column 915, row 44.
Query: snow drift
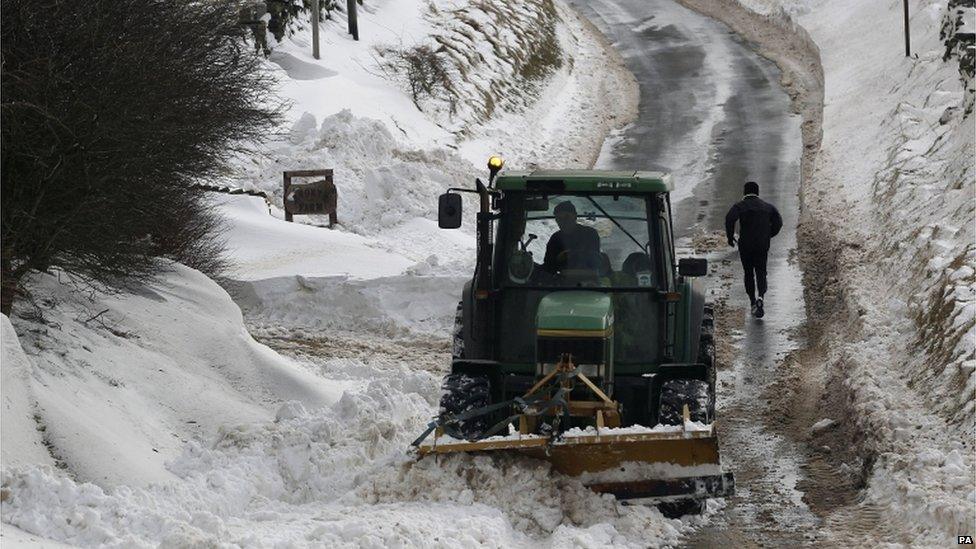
column 118, row 383
column 151, row 417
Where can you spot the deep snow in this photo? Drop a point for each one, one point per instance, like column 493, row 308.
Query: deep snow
column 176, row 427
column 119, row 383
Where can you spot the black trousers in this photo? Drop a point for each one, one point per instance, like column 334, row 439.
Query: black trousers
column 754, row 265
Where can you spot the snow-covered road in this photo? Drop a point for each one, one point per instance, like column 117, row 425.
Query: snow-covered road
column 713, row 112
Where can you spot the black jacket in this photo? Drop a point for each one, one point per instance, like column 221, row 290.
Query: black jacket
column 759, row 221
column 583, row 242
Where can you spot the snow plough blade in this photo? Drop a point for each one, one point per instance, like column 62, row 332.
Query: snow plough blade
column 675, row 464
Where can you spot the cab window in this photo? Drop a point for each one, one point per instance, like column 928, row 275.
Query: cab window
column 578, row 240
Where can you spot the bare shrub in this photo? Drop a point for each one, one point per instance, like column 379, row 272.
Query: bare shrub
column 546, row 55
column 111, row 109
column 421, row 70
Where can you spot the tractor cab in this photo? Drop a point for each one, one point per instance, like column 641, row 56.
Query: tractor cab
column 578, row 315
column 581, row 264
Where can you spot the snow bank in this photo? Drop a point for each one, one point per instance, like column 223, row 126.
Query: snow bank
column 119, row 383
column 16, row 537
column 23, row 443
column 391, row 159
column 588, row 97
column 381, row 180
column 493, row 55
column 899, row 137
column 172, row 427
column 386, row 307
column 897, row 157
column 338, row 476
column 261, row 246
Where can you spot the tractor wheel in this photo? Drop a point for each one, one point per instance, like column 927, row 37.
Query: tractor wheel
column 680, row 508
column 457, row 348
column 706, row 345
column 678, row 392
column 462, row 393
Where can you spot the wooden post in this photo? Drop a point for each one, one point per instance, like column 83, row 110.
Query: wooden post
column 315, row 29
column 908, row 46
column 284, row 202
column 353, row 19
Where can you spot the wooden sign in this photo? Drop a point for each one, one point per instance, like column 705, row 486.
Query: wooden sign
column 315, row 198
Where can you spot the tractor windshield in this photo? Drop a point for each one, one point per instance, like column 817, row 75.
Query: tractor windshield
column 578, row 241
column 587, row 241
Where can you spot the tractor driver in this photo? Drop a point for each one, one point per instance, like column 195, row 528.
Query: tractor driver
column 573, row 246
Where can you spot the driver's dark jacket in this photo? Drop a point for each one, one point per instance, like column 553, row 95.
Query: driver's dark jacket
column 582, row 243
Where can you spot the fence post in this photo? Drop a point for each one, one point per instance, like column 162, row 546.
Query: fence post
column 284, row 202
column 908, row 47
column 353, row 19
column 315, row 29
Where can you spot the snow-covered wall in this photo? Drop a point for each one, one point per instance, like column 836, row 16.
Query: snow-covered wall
column 899, row 141
column 479, row 57
column 889, row 205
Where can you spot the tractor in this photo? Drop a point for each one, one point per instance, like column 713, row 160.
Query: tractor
column 581, row 339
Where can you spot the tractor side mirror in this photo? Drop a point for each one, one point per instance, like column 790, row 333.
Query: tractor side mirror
column 449, row 211
column 693, row 266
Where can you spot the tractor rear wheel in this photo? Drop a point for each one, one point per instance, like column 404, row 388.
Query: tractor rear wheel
column 694, row 393
column 706, row 345
column 457, row 347
column 463, row 393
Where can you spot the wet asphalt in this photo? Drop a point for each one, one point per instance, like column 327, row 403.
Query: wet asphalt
column 711, row 111
column 713, row 114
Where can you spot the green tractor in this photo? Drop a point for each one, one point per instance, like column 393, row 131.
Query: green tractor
column 581, row 339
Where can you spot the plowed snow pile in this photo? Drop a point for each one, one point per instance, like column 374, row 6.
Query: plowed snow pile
column 309, row 474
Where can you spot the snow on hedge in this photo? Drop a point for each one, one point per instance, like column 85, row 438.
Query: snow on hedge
column 478, row 58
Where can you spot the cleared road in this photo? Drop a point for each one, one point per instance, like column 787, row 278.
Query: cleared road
column 712, row 112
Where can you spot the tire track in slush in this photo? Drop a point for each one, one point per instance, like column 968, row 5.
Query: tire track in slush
column 704, row 89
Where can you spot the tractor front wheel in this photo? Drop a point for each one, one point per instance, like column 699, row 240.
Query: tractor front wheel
column 678, row 509
column 457, row 343
column 694, row 393
column 463, row 393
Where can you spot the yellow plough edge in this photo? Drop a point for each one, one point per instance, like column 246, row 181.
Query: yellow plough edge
column 601, row 453
column 576, row 455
